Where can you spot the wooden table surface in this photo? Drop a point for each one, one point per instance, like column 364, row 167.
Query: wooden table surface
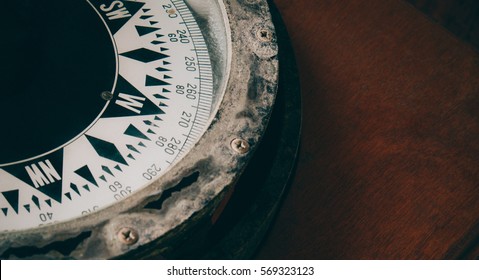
column 389, row 159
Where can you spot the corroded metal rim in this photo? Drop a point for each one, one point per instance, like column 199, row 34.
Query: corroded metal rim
column 194, row 187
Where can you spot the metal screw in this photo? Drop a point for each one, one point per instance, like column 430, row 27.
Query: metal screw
column 240, row 146
column 128, row 236
column 106, row 95
column 264, row 35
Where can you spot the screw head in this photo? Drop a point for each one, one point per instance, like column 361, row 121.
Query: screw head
column 264, row 35
column 106, row 95
column 240, row 146
column 128, row 236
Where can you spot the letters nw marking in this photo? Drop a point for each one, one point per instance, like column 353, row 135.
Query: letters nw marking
column 44, row 175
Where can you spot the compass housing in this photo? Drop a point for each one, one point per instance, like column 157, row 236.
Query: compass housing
column 242, row 46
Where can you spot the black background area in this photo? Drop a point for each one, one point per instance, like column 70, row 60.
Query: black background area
column 56, row 59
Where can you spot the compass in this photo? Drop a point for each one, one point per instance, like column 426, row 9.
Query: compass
column 126, row 121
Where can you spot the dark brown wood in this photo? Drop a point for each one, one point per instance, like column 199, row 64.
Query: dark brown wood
column 389, row 163
column 460, row 17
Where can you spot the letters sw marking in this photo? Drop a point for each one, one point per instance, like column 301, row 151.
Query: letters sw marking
column 42, row 173
column 116, row 10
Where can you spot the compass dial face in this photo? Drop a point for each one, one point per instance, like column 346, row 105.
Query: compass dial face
column 113, row 93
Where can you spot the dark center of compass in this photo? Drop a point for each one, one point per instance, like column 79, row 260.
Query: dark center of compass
column 56, row 58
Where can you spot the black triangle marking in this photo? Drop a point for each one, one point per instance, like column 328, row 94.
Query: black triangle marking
column 162, row 104
column 146, row 17
column 144, row 30
column 156, row 42
column 49, row 202
column 145, row 10
column 141, row 144
column 151, row 131
column 159, row 96
column 157, row 118
column 12, row 199
column 49, row 170
column 144, row 55
column 75, row 188
column 107, row 170
column 166, row 62
column 164, row 49
column 159, row 35
column 152, row 81
column 166, row 77
column 130, row 102
column 68, row 195
column 132, row 148
column 130, row 156
column 86, row 174
column 27, row 207
column 152, row 22
column 5, row 211
column 106, row 150
column 103, row 178
column 150, row 123
column 86, row 187
column 36, row 201
column 118, row 168
column 135, row 132
column 161, row 69
column 166, row 90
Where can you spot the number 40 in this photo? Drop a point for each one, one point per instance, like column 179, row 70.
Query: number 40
column 44, row 217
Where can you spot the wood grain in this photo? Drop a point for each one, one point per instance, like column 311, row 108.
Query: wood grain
column 459, row 17
column 389, row 163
